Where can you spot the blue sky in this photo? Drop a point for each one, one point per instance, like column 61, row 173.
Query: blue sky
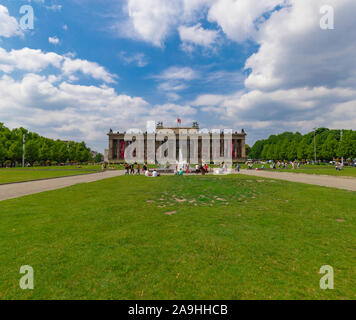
column 87, row 66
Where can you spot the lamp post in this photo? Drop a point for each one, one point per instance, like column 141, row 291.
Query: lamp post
column 23, row 149
column 315, row 144
column 68, row 151
column 342, row 158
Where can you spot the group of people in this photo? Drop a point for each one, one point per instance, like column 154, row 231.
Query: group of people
column 277, row 165
column 131, row 169
column 199, row 169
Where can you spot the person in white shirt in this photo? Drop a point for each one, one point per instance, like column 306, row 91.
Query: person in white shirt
column 154, row 174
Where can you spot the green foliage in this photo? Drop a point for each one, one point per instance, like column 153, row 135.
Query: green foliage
column 292, row 146
column 38, row 149
column 98, row 157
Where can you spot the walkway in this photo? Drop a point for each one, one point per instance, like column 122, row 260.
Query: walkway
column 16, row 190
column 347, row 183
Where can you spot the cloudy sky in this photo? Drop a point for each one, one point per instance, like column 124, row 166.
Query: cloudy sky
column 263, row 65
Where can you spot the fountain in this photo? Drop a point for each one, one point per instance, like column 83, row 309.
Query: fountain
column 181, row 163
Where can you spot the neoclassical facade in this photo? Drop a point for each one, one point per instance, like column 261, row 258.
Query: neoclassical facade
column 118, row 145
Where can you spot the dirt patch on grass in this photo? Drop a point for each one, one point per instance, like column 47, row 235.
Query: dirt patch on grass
column 170, row 213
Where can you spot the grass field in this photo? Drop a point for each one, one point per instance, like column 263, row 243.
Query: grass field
column 11, row 175
column 319, row 170
column 231, row 237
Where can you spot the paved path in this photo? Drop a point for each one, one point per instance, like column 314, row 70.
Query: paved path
column 347, row 183
column 16, row 190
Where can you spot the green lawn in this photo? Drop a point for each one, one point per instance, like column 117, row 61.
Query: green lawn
column 231, row 237
column 11, row 175
column 309, row 169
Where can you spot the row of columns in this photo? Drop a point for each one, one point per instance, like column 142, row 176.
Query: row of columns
column 117, row 148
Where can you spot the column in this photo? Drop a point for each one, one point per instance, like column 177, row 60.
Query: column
column 243, row 148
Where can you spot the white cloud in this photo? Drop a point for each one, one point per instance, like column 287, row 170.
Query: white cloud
column 28, row 60
column 59, row 109
column 154, row 20
column 31, row 60
column 239, row 18
column 92, row 69
column 138, row 59
column 197, row 35
column 54, row 7
column 8, row 25
column 53, row 40
column 178, row 73
column 172, row 86
column 305, row 109
column 300, row 77
column 73, row 111
column 175, row 79
column 295, row 52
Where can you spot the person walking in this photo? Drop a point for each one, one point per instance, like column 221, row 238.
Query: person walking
column 238, row 167
column 206, row 168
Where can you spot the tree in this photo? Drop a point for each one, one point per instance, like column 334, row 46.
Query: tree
column 44, row 153
column 292, row 151
column 38, row 149
column 15, row 152
column 31, row 154
column 329, row 148
column 291, row 146
column 98, row 157
column 346, row 145
column 248, row 150
column 3, row 153
column 62, row 153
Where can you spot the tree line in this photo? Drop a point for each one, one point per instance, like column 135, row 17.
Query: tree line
column 39, row 150
column 330, row 145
